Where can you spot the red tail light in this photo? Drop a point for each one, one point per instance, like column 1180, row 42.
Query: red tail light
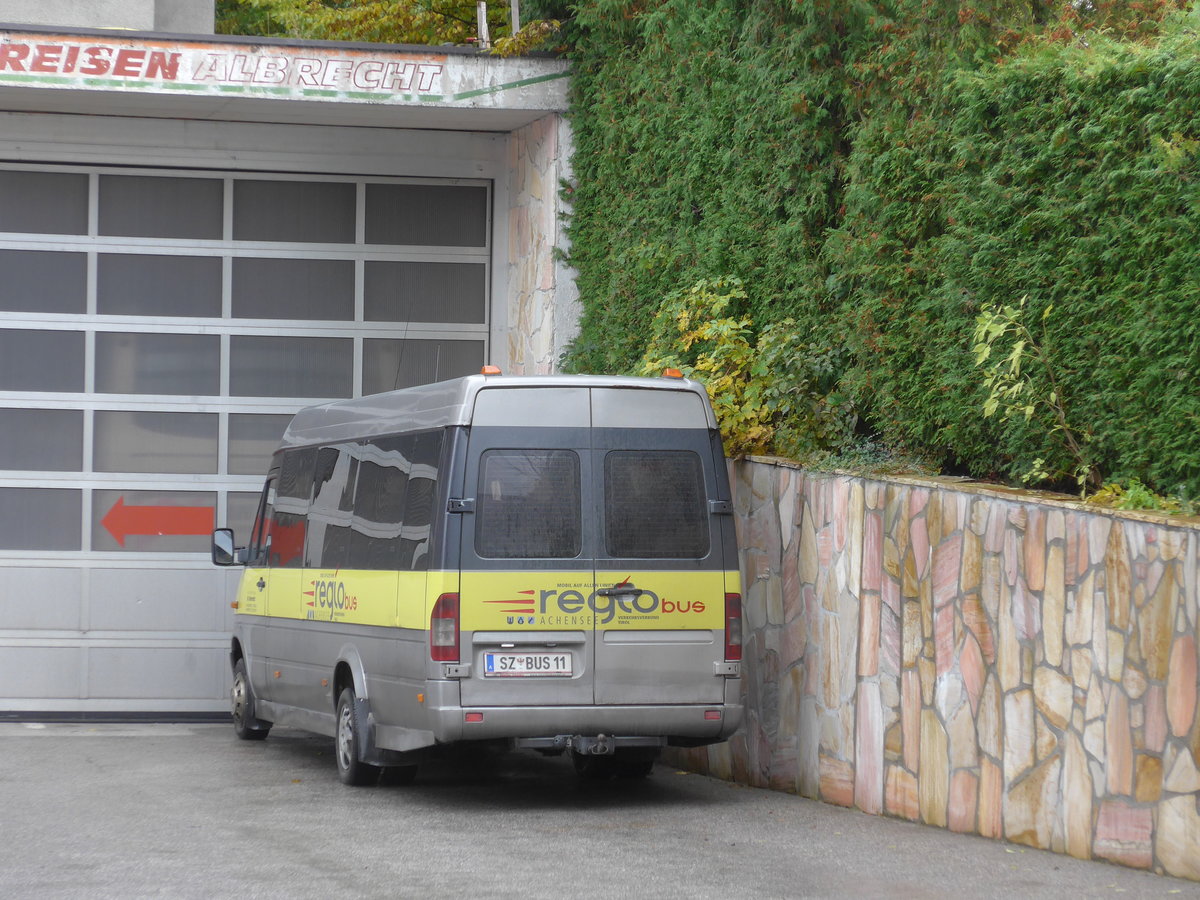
column 443, row 629
column 733, row 627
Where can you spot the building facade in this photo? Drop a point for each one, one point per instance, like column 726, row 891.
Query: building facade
column 199, row 236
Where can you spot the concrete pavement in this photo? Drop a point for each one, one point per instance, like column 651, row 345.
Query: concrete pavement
column 186, row 811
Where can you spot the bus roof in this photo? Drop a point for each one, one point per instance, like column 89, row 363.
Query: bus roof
column 447, row 403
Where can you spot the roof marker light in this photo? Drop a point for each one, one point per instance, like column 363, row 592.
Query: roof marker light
column 490, row 370
column 672, row 373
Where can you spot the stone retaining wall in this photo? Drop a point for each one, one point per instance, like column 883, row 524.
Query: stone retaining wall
column 986, row 661
column 542, row 307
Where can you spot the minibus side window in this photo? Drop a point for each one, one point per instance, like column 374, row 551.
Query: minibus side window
column 425, row 453
column 291, row 508
column 393, row 502
column 528, row 505
column 328, row 518
column 379, row 504
column 654, row 505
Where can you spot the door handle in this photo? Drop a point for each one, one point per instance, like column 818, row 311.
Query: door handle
column 620, row 589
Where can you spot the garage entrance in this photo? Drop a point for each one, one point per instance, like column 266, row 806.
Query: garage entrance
column 157, row 330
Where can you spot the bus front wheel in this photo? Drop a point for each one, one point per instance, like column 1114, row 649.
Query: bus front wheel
column 241, row 702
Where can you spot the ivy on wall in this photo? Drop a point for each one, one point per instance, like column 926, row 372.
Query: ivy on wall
column 881, row 173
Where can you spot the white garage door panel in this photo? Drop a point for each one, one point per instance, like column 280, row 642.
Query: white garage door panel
column 43, row 599
column 167, row 673
column 40, row 672
column 158, row 328
column 158, row 600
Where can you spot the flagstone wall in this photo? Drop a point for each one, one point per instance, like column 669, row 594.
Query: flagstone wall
column 964, row 656
column 542, row 306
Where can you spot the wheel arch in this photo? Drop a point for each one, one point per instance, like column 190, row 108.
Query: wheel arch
column 349, row 671
column 235, row 651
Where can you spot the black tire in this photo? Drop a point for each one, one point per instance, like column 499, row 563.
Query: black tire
column 241, row 702
column 593, row 768
column 397, row 776
column 635, row 763
column 351, row 770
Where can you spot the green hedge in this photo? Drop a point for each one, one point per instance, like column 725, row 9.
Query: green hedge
column 881, row 183
column 1069, row 177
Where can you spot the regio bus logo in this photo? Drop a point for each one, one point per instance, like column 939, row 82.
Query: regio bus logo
column 574, row 607
column 329, row 594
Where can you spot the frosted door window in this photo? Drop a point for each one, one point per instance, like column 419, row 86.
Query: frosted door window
column 252, row 440
column 290, row 367
column 293, row 211
column 41, row 281
column 158, row 364
column 293, row 289
column 143, row 285
column 430, row 215
column 389, row 365
column 158, row 207
column 152, row 521
column 155, row 442
column 424, row 292
column 44, row 202
column 41, row 360
column 40, row 519
column 41, row 439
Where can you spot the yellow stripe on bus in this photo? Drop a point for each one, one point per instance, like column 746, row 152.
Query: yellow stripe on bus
column 492, row 600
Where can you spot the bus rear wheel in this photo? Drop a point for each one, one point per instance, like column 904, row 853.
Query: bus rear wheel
column 593, row 768
column 351, row 770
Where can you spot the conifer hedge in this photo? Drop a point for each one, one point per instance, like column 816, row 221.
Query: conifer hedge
column 881, row 175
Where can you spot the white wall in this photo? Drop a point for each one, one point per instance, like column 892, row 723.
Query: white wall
column 179, row 16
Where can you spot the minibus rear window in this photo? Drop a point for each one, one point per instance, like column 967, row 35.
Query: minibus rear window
column 528, row 505
column 654, row 505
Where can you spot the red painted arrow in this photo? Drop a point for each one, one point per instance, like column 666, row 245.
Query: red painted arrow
column 122, row 521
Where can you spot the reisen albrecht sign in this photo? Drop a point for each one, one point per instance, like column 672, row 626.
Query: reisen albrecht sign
column 355, row 74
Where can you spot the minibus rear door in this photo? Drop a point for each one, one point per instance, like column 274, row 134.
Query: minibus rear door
column 660, row 566
column 527, row 572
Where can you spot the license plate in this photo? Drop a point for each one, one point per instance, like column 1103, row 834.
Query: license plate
column 525, row 665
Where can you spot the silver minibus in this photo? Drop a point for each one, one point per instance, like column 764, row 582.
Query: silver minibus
column 546, row 561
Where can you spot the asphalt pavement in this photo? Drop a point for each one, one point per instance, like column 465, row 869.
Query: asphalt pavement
column 186, row 810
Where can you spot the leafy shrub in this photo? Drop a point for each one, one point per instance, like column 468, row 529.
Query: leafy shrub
column 774, row 392
column 876, row 177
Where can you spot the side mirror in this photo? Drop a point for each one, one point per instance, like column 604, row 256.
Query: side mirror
column 224, row 552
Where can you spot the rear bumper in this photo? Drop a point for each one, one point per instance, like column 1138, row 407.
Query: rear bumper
column 448, row 720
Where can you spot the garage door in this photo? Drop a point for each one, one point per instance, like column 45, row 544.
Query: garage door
column 157, row 329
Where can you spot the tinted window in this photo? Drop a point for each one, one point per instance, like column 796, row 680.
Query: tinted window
column 419, row 500
column 262, row 521
column 41, row 360
column 46, row 439
column 156, row 207
column 654, row 505
column 40, row 519
column 291, row 508
column 393, row 503
column 528, row 505
column 43, row 202
column 329, row 514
